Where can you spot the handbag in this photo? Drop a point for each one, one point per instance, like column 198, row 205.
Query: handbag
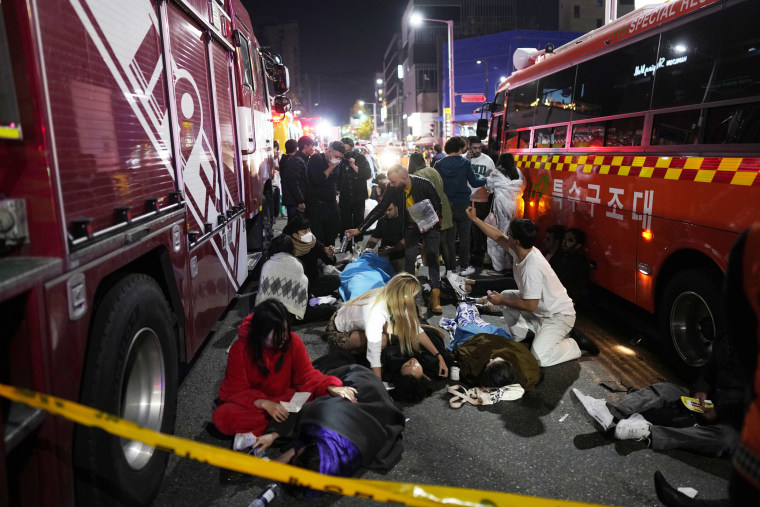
column 491, row 219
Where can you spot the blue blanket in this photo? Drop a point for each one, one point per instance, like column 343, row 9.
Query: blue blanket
column 367, row 272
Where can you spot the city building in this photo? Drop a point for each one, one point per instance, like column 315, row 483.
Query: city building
column 587, row 15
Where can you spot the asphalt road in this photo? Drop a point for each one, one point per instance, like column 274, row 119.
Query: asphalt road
column 527, row 446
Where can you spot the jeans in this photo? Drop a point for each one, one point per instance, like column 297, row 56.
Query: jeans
column 462, row 224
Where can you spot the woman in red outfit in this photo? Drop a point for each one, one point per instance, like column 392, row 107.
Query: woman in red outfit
column 266, row 365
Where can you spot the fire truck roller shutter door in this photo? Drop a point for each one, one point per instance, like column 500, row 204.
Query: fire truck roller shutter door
column 131, row 371
column 690, row 316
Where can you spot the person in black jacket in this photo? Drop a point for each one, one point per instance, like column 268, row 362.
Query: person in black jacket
column 309, row 250
column 407, row 189
column 355, row 172
column 293, row 177
column 321, row 202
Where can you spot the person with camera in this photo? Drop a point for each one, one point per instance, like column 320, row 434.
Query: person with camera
column 355, row 172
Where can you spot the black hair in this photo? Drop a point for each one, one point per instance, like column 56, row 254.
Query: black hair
column 338, row 146
column 437, row 148
column 409, row 389
column 557, row 232
column 416, row 162
column 524, row 231
column 269, row 316
column 498, row 374
column 281, row 244
column 305, row 141
column 277, row 144
column 348, row 141
column 298, row 223
column 380, row 176
column 453, row 145
column 506, row 164
column 474, row 140
column 580, row 236
column 291, row 145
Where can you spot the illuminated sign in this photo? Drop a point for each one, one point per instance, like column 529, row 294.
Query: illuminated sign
column 643, row 70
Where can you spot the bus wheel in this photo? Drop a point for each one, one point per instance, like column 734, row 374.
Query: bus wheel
column 131, row 371
column 690, row 315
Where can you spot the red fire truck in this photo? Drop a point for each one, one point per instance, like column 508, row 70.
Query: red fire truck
column 645, row 134
column 135, row 151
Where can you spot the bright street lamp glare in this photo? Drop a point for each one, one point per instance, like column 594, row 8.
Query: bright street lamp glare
column 415, row 19
column 478, row 62
column 361, row 102
column 379, row 81
column 502, row 78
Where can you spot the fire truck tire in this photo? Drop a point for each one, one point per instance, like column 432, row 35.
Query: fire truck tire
column 131, row 371
column 690, row 316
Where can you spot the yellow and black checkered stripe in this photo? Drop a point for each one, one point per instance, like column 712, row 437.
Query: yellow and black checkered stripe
column 743, row 171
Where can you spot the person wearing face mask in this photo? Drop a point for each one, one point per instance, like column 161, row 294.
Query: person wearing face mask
column 355, row 172
column 268, row 364
column 321, row 200
column 310, row 250
column 293, row 176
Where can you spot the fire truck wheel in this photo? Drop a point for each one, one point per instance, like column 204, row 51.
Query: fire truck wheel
column 690, row 315
column 131, row 371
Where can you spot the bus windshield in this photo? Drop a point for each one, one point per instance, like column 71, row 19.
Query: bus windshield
column 10, row 120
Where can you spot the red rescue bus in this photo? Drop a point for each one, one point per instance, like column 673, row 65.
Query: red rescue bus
column 645, row 134
column 135, row 155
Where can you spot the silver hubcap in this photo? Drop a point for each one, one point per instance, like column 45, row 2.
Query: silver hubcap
column 143, row 393
column 692, row 328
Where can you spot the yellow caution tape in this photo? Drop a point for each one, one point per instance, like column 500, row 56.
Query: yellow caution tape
column 402, row 493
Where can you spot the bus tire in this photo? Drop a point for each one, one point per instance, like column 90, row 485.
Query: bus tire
column 132, row 349
column 690, row 316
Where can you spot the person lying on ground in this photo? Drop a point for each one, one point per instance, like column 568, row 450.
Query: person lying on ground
column 266, row 365
column 489, row 360
column 380, row 316
column 282, row 278
column 540, row 305
column 336, row 436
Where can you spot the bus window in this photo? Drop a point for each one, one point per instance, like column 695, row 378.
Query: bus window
column 675, row 128
column 498, row 102
column 735, row 124
column 555, row 94
column 616, row 83
column 517, row 140
column 687, row 56
column 619, row 132
column 738, row 73
column 497, row 125
column 10, row 120
column 521, row 104
column 552, row 137
column 245, row 58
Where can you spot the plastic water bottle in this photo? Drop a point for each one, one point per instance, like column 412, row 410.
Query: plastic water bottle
column 344, row 244
column 266, row 497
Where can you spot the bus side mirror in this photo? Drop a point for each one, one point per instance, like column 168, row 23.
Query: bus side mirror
column 280, row 78
column 481, row 130
column 282, row 104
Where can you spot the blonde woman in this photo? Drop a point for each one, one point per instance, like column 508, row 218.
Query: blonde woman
column 370, row 319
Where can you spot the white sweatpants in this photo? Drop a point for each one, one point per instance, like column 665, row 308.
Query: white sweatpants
column 551, row 345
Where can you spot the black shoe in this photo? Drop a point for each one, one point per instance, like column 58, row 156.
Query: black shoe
column 671, row 497
column 584, row 342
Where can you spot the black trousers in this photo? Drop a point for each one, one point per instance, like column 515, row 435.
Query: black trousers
column 351, row 215
column 325, row 220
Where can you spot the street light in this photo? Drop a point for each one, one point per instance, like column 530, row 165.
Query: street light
column 416, row 19
column 374, row 116
column 485, row 60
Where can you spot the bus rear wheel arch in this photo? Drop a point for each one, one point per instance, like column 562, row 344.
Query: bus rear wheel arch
column 130, row 371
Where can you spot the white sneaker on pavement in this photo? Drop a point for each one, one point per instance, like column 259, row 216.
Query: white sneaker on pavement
column 467, row 271
column 633, row 428
column 597, row 409
column 243, row 441
column 458, row 284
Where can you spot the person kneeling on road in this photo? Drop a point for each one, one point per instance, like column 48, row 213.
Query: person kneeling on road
column 540, row 305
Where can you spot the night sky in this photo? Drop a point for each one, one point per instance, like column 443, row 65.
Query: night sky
column 340, row 40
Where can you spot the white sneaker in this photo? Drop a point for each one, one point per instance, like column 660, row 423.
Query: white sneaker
column 596, row 408
column 467, row 271
column 633, row 428
column 458, row 284
column 243, row 441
